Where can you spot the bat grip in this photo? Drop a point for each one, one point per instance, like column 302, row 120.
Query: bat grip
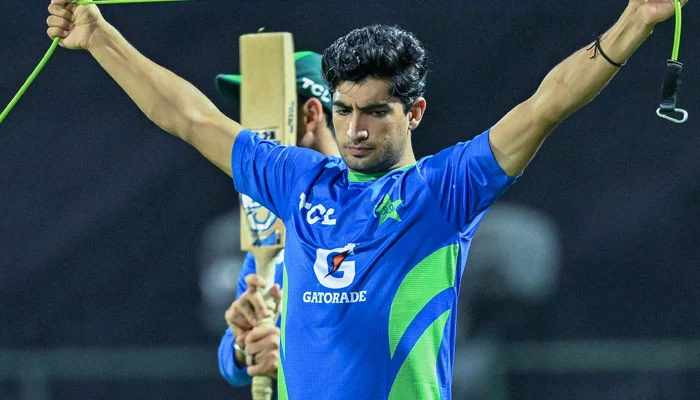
column 265, row 257
column 262, row 385
column 262, row 388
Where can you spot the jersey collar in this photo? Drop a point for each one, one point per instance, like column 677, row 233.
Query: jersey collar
column 360, row 177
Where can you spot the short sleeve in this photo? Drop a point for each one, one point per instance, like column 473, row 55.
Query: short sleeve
column 465, row 179
column 227, row 365
column 267, row 172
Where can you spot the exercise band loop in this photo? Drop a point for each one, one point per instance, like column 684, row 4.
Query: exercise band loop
column 667, row 108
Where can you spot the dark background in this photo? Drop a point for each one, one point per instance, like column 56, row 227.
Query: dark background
column 101, row 214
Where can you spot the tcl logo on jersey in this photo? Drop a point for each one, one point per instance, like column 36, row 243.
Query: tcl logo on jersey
column 316, row 213
column 335, row 269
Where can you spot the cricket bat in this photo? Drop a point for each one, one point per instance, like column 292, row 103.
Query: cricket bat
column 268, row 108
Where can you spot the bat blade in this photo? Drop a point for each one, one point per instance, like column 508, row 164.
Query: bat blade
column 268, row 108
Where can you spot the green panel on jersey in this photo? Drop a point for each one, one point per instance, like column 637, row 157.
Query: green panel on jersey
column 284, row 304
column 425, row 281
column 281, row 382
column 417, row 378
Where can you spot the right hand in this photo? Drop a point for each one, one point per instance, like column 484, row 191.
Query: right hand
column 245, row 313
column 74, row 24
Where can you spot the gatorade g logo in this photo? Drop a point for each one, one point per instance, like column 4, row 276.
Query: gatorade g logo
column 316, row 89
column 335, row 269
column 259, row 218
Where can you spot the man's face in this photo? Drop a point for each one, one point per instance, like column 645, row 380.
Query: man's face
column 371, row 127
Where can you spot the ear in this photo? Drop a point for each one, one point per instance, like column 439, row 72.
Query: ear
column 416, row 112
column 310, row 119
column 311, row 114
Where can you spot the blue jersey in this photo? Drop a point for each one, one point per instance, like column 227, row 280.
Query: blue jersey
column 372, row 265
column 227, row 365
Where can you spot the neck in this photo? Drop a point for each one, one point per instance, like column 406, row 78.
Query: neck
column 325, row 143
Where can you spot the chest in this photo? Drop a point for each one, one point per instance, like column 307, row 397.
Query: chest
column 363, row 235
column 332, row 213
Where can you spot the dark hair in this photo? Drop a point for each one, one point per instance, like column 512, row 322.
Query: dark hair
column 378, row 51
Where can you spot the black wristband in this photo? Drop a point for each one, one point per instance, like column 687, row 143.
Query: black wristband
column 599, row 49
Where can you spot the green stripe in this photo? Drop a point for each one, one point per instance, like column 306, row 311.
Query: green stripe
column 417, row 378
column 301, row 54
column 425, row 281
column 281, row 382
column 283, row 324
column 360, row 177
column 231, row 78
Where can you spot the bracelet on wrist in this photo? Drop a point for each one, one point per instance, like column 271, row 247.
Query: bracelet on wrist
column 239, row 349
column 599, row 49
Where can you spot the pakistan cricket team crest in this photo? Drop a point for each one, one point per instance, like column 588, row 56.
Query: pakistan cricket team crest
column 388, row 209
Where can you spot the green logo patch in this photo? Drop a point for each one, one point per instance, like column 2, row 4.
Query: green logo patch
column 388, row 209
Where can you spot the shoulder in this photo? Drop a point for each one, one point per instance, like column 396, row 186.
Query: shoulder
column 474, row 151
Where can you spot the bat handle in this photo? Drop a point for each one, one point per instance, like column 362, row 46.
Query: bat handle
column 265, row 257
column 262, row 385
column 262, row 388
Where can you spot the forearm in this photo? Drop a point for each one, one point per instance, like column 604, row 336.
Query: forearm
column 169, row 101
column 164, row 97
column 578, row 79
column 567, row 87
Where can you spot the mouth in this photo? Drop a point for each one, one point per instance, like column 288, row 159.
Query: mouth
column 358, row 151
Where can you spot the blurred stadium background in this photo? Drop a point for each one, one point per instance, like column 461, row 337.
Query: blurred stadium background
column 116, row 264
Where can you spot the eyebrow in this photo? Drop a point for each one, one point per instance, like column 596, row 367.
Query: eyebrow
column 382, row 105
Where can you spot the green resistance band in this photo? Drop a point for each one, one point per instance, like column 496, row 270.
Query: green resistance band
column 667, row 108
column 29, row 81
column 87, row 2
column 52, row 49
column 677, row 36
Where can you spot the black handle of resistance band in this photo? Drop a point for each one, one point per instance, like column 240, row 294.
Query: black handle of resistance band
column 670, row 86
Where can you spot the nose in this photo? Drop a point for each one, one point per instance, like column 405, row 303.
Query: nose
column 355, row 131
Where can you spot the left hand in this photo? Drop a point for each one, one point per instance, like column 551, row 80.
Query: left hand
column 654, row 11
column 247, row 310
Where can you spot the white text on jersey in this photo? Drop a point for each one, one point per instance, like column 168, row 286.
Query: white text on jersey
column 315, row 213
column 335, row 297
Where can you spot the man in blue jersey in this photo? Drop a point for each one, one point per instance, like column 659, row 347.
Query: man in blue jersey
column 376, row 240
column 315, row 123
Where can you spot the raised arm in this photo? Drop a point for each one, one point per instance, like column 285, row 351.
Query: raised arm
column 572, row 84
column 169, row 101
